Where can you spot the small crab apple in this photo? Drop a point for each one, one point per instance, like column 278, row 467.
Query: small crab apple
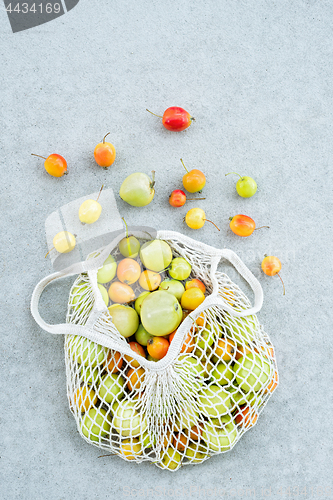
column 245, row 186
column 175, row 119
column 196, row 218
column 105, row 153
column 54, row 164
column 64, row 242
column 130, row 245
column 271, row 266
column 90, row 210
column 178, row 198
column 194, row 180
column 242, row 225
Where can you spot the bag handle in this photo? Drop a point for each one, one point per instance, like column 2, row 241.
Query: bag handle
column 77, row 268
column 245, row 272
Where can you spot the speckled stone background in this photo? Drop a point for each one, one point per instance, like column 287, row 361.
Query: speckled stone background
column 257, row 76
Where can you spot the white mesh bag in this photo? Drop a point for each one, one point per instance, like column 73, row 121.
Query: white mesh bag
column 208, row 390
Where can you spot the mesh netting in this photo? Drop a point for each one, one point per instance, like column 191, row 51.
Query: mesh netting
column 208, row 390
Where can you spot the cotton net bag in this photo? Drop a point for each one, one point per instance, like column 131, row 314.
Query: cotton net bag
column 195, row 402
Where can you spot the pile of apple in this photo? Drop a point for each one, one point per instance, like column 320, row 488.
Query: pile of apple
column 149, row 292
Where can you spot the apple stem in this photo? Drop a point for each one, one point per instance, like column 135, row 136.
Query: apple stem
column 194, row 199
column 99, row 194
column 207, row 220
column 152, row 184
column 105, row 136
column 159, row 116
column 260, row 227
column 126, row 227
column 39, row 156
column 235, row 174
column 183, row 164
column 284, row 289
column 49, row 252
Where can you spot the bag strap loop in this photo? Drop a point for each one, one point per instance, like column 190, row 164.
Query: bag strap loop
column 245, row 272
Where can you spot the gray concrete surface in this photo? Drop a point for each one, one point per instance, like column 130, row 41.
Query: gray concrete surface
column 257, row 76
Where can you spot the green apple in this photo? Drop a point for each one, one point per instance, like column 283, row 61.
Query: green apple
column 86, row 352
column 221, row 421
column 196, row 452
column 222, row 374
column 126, row 420
column 213, row 401
column 91, row 376
column 111, row 388
column 171, row 459
column 125, row 319
column 241, row 330
column 186, row 419
column 252, row 372
column 180, row 269
column 190, row 364
column 139, row 300
column 206, row 337
column 142, row 336
column 129, row 247
column 104, row 293
column 173, row 286
column 161, row 313
column 150, row 358
column 238, row 398
column 137, row 189
column 108, row 271
column 156, row 255
column 82, row 298
column 219, row 438
column 146, row 440
column 95, row 424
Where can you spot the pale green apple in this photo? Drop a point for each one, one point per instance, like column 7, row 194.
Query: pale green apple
column 146, row 440
column 161, row 313
column 82, row 298
column 142, row 336
column 207, row 337
column 104, row 293
column 126, row 420
column 108, row 271
column 156, row 255
column 190, row 364
column 239, row 399
column 241, row 329
column 129, row 247
column 213, row 401
column 91, row 376
column 125, row 319
column 86, row 352
column 139, row 300
column 219, row 438
column 95, row 424
column 180, row 269
column 196, row 452
column 137, row 190
column 221, row 421
column 111, row 388
column 174, row 287
column 171, row 459
column 223, row 374
column 252, row 372
column 186, row 419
